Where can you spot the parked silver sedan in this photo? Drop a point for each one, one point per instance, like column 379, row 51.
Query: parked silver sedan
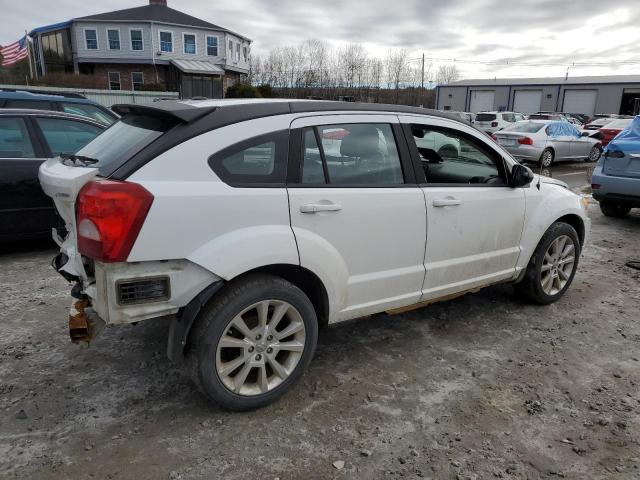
column 546, row 142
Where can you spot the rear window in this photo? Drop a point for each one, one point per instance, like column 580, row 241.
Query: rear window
column 539, row 116
column 485, row 117
column 124, row 139
column 525, row 127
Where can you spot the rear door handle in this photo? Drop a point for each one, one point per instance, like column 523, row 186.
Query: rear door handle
column 446, row 202
column 320, row 207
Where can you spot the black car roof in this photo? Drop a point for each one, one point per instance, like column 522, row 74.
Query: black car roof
column 20, row 112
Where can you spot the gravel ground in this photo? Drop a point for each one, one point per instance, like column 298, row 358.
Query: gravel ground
column 479, row 387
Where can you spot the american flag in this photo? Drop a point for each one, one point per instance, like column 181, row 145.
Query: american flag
column 14, row 52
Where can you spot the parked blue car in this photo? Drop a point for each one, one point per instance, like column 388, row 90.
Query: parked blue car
column 616, row 179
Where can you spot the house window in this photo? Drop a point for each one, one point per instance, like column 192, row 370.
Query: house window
column 166, row 42
column 212, row 46
column 137, row 80
column 230, row 53
column 244, row 54
column 114, row 39
column 237, row 52
column 114, row 80
column 136, row 40
column 91, row 39
column 189, row 40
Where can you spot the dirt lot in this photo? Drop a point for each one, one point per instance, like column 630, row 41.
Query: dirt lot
column 480, row 387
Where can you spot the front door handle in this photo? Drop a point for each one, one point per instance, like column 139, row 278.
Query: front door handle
column 320, row 207
column 446, row 202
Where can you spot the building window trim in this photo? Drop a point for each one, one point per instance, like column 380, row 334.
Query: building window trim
column 86, row 40
column 109, row 40
column 216, row 45
column 160, row 32
column 133, row 84
column 195, row 43
column 119, row 80
column 131, row 30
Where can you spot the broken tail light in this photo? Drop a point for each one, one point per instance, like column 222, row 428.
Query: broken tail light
column 109, row 216
column 525, row 141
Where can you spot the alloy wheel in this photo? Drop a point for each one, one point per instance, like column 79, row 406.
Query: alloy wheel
column 547, row 158
column 260, row 347
column 557, row 265
column 594, row 154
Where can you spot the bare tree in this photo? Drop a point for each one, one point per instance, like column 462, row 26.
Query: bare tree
column 396, row 67
column 447, row 74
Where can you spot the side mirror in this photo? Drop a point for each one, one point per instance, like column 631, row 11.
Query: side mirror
column 584, row 134
column 521, row 176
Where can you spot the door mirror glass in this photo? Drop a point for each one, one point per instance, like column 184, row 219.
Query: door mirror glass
column 521, row 176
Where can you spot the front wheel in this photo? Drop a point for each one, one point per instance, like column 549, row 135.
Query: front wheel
column 594, row 154
column 552, row 266
column 253, row 342
column 546, row 159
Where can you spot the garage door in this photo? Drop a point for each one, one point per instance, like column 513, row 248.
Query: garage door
column 580, row 101
column 481, row 101
column 527, row 101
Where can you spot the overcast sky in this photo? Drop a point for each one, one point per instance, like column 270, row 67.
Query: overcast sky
column 522, row 31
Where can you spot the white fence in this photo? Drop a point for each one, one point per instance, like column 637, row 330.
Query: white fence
column 103, row 97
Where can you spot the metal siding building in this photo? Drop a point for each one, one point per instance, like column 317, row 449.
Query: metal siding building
column 618, row 94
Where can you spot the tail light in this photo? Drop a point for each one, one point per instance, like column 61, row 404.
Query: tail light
column 525, row 141
column 109, row 216
column 495, row 139
column 494, row 124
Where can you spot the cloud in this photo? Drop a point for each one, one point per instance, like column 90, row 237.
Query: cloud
column 530, row 31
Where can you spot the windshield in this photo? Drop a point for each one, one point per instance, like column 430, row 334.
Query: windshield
column 124, row 139
column 524, row 127
column 485, row 117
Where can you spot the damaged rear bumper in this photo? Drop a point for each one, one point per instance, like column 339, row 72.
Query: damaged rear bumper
column 84, row 322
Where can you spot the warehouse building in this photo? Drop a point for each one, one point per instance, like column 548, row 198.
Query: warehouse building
column 611, row 94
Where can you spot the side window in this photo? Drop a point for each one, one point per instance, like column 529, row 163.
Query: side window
column 509, row 117
column 352, row 154
column 452, row 157
column 14, row 139
column 259, row 160
column 66, row 136
column 90, row 111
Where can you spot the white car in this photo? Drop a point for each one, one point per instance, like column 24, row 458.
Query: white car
column 491, row 122
column 232, row 219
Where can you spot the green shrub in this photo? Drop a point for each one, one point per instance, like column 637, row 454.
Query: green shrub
column 242, row 90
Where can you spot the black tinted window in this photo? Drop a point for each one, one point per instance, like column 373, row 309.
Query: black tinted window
column 14, row 139
column 33, row 104
column 452, row 158
column 260, row 160
column 485, row 117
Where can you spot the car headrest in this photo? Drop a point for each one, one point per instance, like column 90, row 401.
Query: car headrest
column 362, row 144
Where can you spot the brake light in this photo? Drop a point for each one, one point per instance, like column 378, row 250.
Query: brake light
column 109, row 216
column 525, row 141
column 494, row 124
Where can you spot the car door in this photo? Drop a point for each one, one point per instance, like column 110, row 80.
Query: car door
column 558, row 139
column 356, row 212
column 24, row 208
column 474, row 219
column 580, row 146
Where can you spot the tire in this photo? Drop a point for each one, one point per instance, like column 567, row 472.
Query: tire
column 255, row 381
column 594, row 154
column 614, row 209
column 547, row 158
column 534, row 286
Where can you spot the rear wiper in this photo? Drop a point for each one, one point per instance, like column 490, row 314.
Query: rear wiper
column 73, row 160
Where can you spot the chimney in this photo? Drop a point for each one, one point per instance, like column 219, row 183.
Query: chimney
column 158, row 2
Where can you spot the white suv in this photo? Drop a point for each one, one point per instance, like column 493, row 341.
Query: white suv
column 251, row 223
column 491, row 122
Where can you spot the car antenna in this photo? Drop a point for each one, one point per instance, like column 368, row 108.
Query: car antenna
column 539, row 175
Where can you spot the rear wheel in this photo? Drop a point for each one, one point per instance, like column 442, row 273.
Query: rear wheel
column 610, row 208
column 552, row 265
column 253, row 342
column 547, row 157
column 594, row 154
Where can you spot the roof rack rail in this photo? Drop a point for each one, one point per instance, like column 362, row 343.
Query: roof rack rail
column 44, row 92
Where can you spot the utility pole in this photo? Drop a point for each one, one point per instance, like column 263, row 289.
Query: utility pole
column 422, row 83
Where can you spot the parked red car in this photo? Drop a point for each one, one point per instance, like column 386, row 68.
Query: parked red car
column 611, row 130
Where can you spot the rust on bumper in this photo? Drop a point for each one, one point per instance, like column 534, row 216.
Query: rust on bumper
column 84, row 324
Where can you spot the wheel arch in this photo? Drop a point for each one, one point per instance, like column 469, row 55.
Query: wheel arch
column 576, row 222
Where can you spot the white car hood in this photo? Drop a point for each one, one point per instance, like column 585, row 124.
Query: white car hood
column 549, row 180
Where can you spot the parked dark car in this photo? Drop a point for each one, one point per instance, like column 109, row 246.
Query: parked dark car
column 63, row 102
column 28, row 138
